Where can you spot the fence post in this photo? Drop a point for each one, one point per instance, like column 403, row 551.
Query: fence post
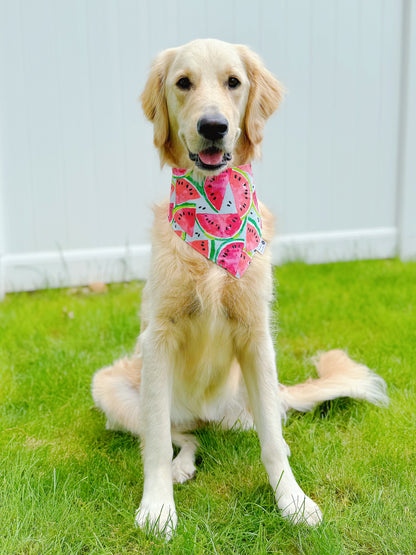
column 3, row 253
column 406, row 214
column 2, row 246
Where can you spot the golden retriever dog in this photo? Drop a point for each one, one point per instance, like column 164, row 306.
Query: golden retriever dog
column 205, row 352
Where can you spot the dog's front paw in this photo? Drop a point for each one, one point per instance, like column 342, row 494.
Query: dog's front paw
column 157, row 518
column 300, row 509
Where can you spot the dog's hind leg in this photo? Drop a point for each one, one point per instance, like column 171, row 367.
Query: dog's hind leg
column 339, row 376
column 183, row 465
column 116, row 391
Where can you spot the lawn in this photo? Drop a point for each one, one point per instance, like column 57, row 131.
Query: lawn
column 70, row 486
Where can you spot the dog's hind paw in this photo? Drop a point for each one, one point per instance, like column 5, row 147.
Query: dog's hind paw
column 300, row 510
column 182, row 470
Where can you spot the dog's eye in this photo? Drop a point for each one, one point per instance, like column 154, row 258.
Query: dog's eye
column 233, row 82
column 184, row 84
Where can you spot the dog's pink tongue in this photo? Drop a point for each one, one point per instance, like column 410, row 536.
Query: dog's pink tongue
column 211, row 158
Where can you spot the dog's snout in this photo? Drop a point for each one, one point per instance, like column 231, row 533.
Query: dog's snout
column 212, row 127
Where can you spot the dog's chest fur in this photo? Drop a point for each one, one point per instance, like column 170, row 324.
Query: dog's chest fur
column 201, row 365
column 204, row 316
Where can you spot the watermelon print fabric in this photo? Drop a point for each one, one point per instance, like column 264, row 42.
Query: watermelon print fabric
column 218, row 216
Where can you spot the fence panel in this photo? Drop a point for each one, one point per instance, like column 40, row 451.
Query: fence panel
column 78, row 172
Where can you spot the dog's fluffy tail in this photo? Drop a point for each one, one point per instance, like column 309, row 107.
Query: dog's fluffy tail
column 339, row 376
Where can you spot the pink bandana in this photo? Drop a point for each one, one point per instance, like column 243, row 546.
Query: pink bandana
column 218, row 216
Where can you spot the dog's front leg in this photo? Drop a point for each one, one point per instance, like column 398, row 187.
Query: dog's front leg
column 257, row 360
column 157, row 512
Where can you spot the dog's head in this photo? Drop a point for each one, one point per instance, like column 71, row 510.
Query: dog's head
column 208, row 101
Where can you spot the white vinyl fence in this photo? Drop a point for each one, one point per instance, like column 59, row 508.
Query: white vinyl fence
column 78, row 171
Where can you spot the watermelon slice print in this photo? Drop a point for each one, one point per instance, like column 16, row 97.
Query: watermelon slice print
column 256, row 202
column 229, row 256
column 254, row 218
column 244, row 263
column 214, row 188
column 241, row 191
column 201, row 246
column 185, row 218
column 185, row 191
column 223, row 226
column 252, row 237
column 246, row 169
column 176, row 172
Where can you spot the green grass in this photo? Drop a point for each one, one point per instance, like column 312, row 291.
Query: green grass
column 70, row 486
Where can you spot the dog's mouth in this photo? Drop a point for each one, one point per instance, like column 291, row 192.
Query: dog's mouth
column 210, row 159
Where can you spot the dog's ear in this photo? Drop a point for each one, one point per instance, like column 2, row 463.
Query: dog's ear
column 153, row 98
column 265, row 96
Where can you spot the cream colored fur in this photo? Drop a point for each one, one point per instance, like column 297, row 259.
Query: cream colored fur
column 205, row 352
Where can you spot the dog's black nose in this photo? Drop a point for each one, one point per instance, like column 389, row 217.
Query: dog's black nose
column 212, row 127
